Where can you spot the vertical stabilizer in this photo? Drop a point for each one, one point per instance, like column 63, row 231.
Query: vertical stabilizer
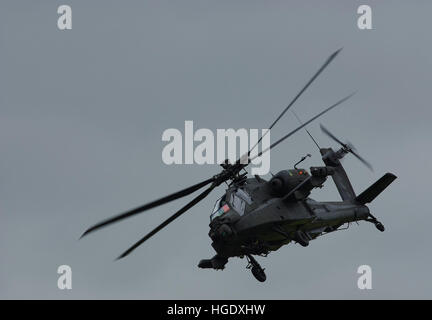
column 340, row 177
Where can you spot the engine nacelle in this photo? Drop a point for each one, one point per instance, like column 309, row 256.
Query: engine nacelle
column 322, row 171
column 285, row 180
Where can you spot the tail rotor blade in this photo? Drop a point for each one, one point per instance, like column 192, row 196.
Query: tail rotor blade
column 156, row 203
column 168, row 221
column 331, row 135
column 367, row 164
column 347, row 146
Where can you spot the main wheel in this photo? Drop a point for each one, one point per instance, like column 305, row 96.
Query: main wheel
column 259, row 273
column 301, row 238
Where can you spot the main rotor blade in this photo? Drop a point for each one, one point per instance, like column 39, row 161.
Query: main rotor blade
column 168, row 221
column 303, row 125
column 127, row 214
column 326, row 63
column 331, row 135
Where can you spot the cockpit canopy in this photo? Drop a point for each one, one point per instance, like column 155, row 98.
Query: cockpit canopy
column 237, row 200
column 220, row 208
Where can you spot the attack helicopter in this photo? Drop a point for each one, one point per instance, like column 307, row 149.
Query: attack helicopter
column 255, row 217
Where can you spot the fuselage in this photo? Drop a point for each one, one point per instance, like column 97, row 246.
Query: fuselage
column 251, row 219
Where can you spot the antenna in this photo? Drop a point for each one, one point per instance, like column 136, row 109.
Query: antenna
column 306, row 130
column 301, row 160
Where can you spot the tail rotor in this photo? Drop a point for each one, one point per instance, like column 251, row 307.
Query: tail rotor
column 347, row 147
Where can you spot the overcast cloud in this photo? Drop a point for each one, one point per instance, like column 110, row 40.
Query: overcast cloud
column 82, row 114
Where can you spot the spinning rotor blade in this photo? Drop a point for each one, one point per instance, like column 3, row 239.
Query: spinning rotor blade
column 127, row 214
column 367, row 164
column 331, row 135
column 303, row 125
column 168, row 221
column 230, row 172
column 347, row 146
column 326, row 63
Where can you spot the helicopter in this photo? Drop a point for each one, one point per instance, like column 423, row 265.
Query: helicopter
column 255, row 217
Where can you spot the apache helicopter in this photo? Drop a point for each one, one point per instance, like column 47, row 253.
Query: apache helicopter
column 255, row 216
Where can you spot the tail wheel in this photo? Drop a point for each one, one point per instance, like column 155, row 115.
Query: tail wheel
column 380, row 226
column 375, row 221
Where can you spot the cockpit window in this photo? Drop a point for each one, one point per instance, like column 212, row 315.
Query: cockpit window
column 243, row 195
column 217, row 205
column 237, row 203
column 237, row 200
column 220, row 208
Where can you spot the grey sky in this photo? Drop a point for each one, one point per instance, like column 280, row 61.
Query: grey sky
column 82, row 114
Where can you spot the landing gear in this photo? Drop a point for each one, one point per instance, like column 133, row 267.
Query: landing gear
column 257, row 270
column 302, row 238
column 259, row 274
column 377, row 224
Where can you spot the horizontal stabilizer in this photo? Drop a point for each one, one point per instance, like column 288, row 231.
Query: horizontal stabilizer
column 374, row 190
